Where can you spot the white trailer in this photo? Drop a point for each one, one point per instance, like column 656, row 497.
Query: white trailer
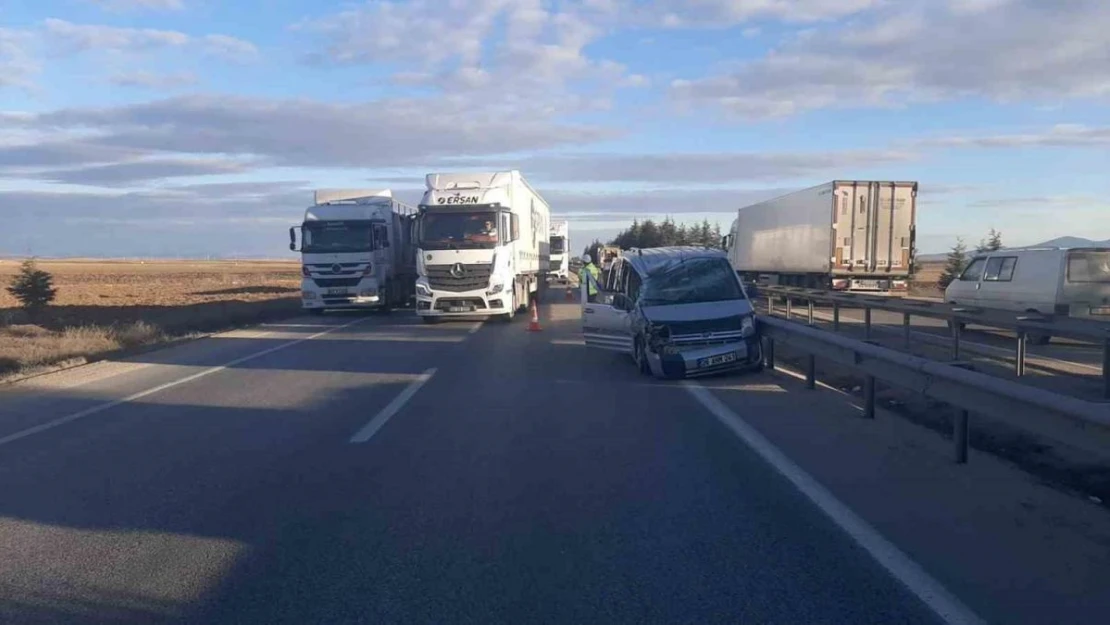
column 356, row 251
column 483, row 247
column 849, row 235
column 560, row 249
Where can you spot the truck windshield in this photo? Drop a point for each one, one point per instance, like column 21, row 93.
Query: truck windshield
column 691, row 281
column 1089, row 266
column 329, row 237
column 558, row 245
column 440, row 231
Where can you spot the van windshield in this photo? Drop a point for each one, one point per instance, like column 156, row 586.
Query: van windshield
column 1089, row 266
column 691, row 281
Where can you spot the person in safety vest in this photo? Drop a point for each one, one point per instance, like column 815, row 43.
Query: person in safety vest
column 588, row 267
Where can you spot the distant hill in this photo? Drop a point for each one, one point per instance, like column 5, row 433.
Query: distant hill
column 1057, row 242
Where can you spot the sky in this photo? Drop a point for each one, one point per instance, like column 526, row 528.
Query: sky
column 200, row 127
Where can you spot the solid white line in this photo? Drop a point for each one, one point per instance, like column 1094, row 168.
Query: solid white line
column 161, row 387
column 899, row 565
column 380, row 419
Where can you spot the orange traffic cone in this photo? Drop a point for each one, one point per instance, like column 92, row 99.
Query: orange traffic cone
column 534, row 325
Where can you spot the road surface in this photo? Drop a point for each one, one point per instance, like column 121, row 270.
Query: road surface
column 372, row 469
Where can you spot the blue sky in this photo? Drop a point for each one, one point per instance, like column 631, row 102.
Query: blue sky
column 197, row 127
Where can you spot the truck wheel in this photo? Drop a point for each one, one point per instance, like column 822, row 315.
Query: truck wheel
column 508, row 317
column 387, row 303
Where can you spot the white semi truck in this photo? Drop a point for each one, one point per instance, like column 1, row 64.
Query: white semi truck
column 483, row 247
column 356, row 251
column 845, row 235
column 560, row 250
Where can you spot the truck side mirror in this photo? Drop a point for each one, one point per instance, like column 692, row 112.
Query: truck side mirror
column 292, row 239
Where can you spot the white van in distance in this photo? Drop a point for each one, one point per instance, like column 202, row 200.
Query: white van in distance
column 1072, row 282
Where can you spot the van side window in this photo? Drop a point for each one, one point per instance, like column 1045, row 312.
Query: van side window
column 974, row 271
column 1000, row 269
column 633, row 288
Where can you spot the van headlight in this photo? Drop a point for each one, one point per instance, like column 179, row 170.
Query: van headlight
column 747, row 326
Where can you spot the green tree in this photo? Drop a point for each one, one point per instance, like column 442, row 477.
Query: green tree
column 33, row 287
column 954, row 264
column 992, row 243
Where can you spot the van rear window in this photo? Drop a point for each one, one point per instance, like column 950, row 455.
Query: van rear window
column 1089, row 266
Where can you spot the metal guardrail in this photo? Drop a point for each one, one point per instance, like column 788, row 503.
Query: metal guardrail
column 952, row 384
column 1024, row 325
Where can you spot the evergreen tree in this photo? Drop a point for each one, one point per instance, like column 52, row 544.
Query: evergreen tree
column 33, row 287
column 954, row 265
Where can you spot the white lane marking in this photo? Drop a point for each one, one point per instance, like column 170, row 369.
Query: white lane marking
column 477, row 326
column 42, row 427
column 380, row 419
column 981, row 347
column 943, row 603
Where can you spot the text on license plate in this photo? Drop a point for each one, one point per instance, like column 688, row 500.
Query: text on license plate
column 1100, row 310
column 337, row 291
column 460, row 309
column 713, row 361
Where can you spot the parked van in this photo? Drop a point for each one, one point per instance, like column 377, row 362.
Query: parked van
column 677, row 311
column 1072, row 282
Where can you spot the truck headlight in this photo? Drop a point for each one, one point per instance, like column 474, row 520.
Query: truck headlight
column 495, row 289
column 422, row 289
column 747, row 326
column 308, row 295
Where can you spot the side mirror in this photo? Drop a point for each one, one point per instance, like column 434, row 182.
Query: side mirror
column 292, row 239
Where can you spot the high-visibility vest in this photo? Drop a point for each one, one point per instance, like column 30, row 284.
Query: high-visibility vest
column 594, row 271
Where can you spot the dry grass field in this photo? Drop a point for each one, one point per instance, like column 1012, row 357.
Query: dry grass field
column 105, row 306
column 925, row 280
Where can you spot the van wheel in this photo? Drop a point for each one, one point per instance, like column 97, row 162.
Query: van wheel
column 1037, row 338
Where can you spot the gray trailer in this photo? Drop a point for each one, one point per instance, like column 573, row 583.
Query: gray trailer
column 845, row 235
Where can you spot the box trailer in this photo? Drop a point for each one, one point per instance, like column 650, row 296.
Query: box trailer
column 848, row 235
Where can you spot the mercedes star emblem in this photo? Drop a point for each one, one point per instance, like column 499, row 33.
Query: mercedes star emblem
column 336, row 268
column 457, row 270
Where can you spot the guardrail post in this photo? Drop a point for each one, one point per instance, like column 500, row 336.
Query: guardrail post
column 1106, row 369
column 809, row 304
column 769, row 354
column 811, row 372
column 906, row 329
column 867, row 323
column 1022, row 343
column 959, row 435
column 836, row 316
column 956, row 331
column 789, row 305
column 869, row 397
column 770, row 304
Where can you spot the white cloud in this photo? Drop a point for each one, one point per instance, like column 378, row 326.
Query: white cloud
column 132, row 5
column 63, row 37
column 129, row 173
column 150, row 80
column 17, row 65
column 1059, row 136
column 924, row 51
column 84, row 37
column 230, row 48
column 382, row 133
column 728, row 13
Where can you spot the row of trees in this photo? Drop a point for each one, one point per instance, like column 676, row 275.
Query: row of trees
column 957, row 258
column 648, row 233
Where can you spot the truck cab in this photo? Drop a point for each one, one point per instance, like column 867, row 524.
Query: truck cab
column 482, row 246
column 355, row 251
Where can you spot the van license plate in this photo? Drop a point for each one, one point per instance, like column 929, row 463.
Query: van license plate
column 713, row 361
column 337, row 291
column 1100, row 310
column 460, row 309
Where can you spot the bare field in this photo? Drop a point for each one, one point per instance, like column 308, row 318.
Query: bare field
column 105, row 306
column 925, row 280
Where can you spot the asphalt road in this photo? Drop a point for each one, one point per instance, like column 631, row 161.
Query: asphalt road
column 496, row 476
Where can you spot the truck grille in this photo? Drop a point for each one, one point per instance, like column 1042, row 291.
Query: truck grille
column 334, row 282
column 472, row 278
